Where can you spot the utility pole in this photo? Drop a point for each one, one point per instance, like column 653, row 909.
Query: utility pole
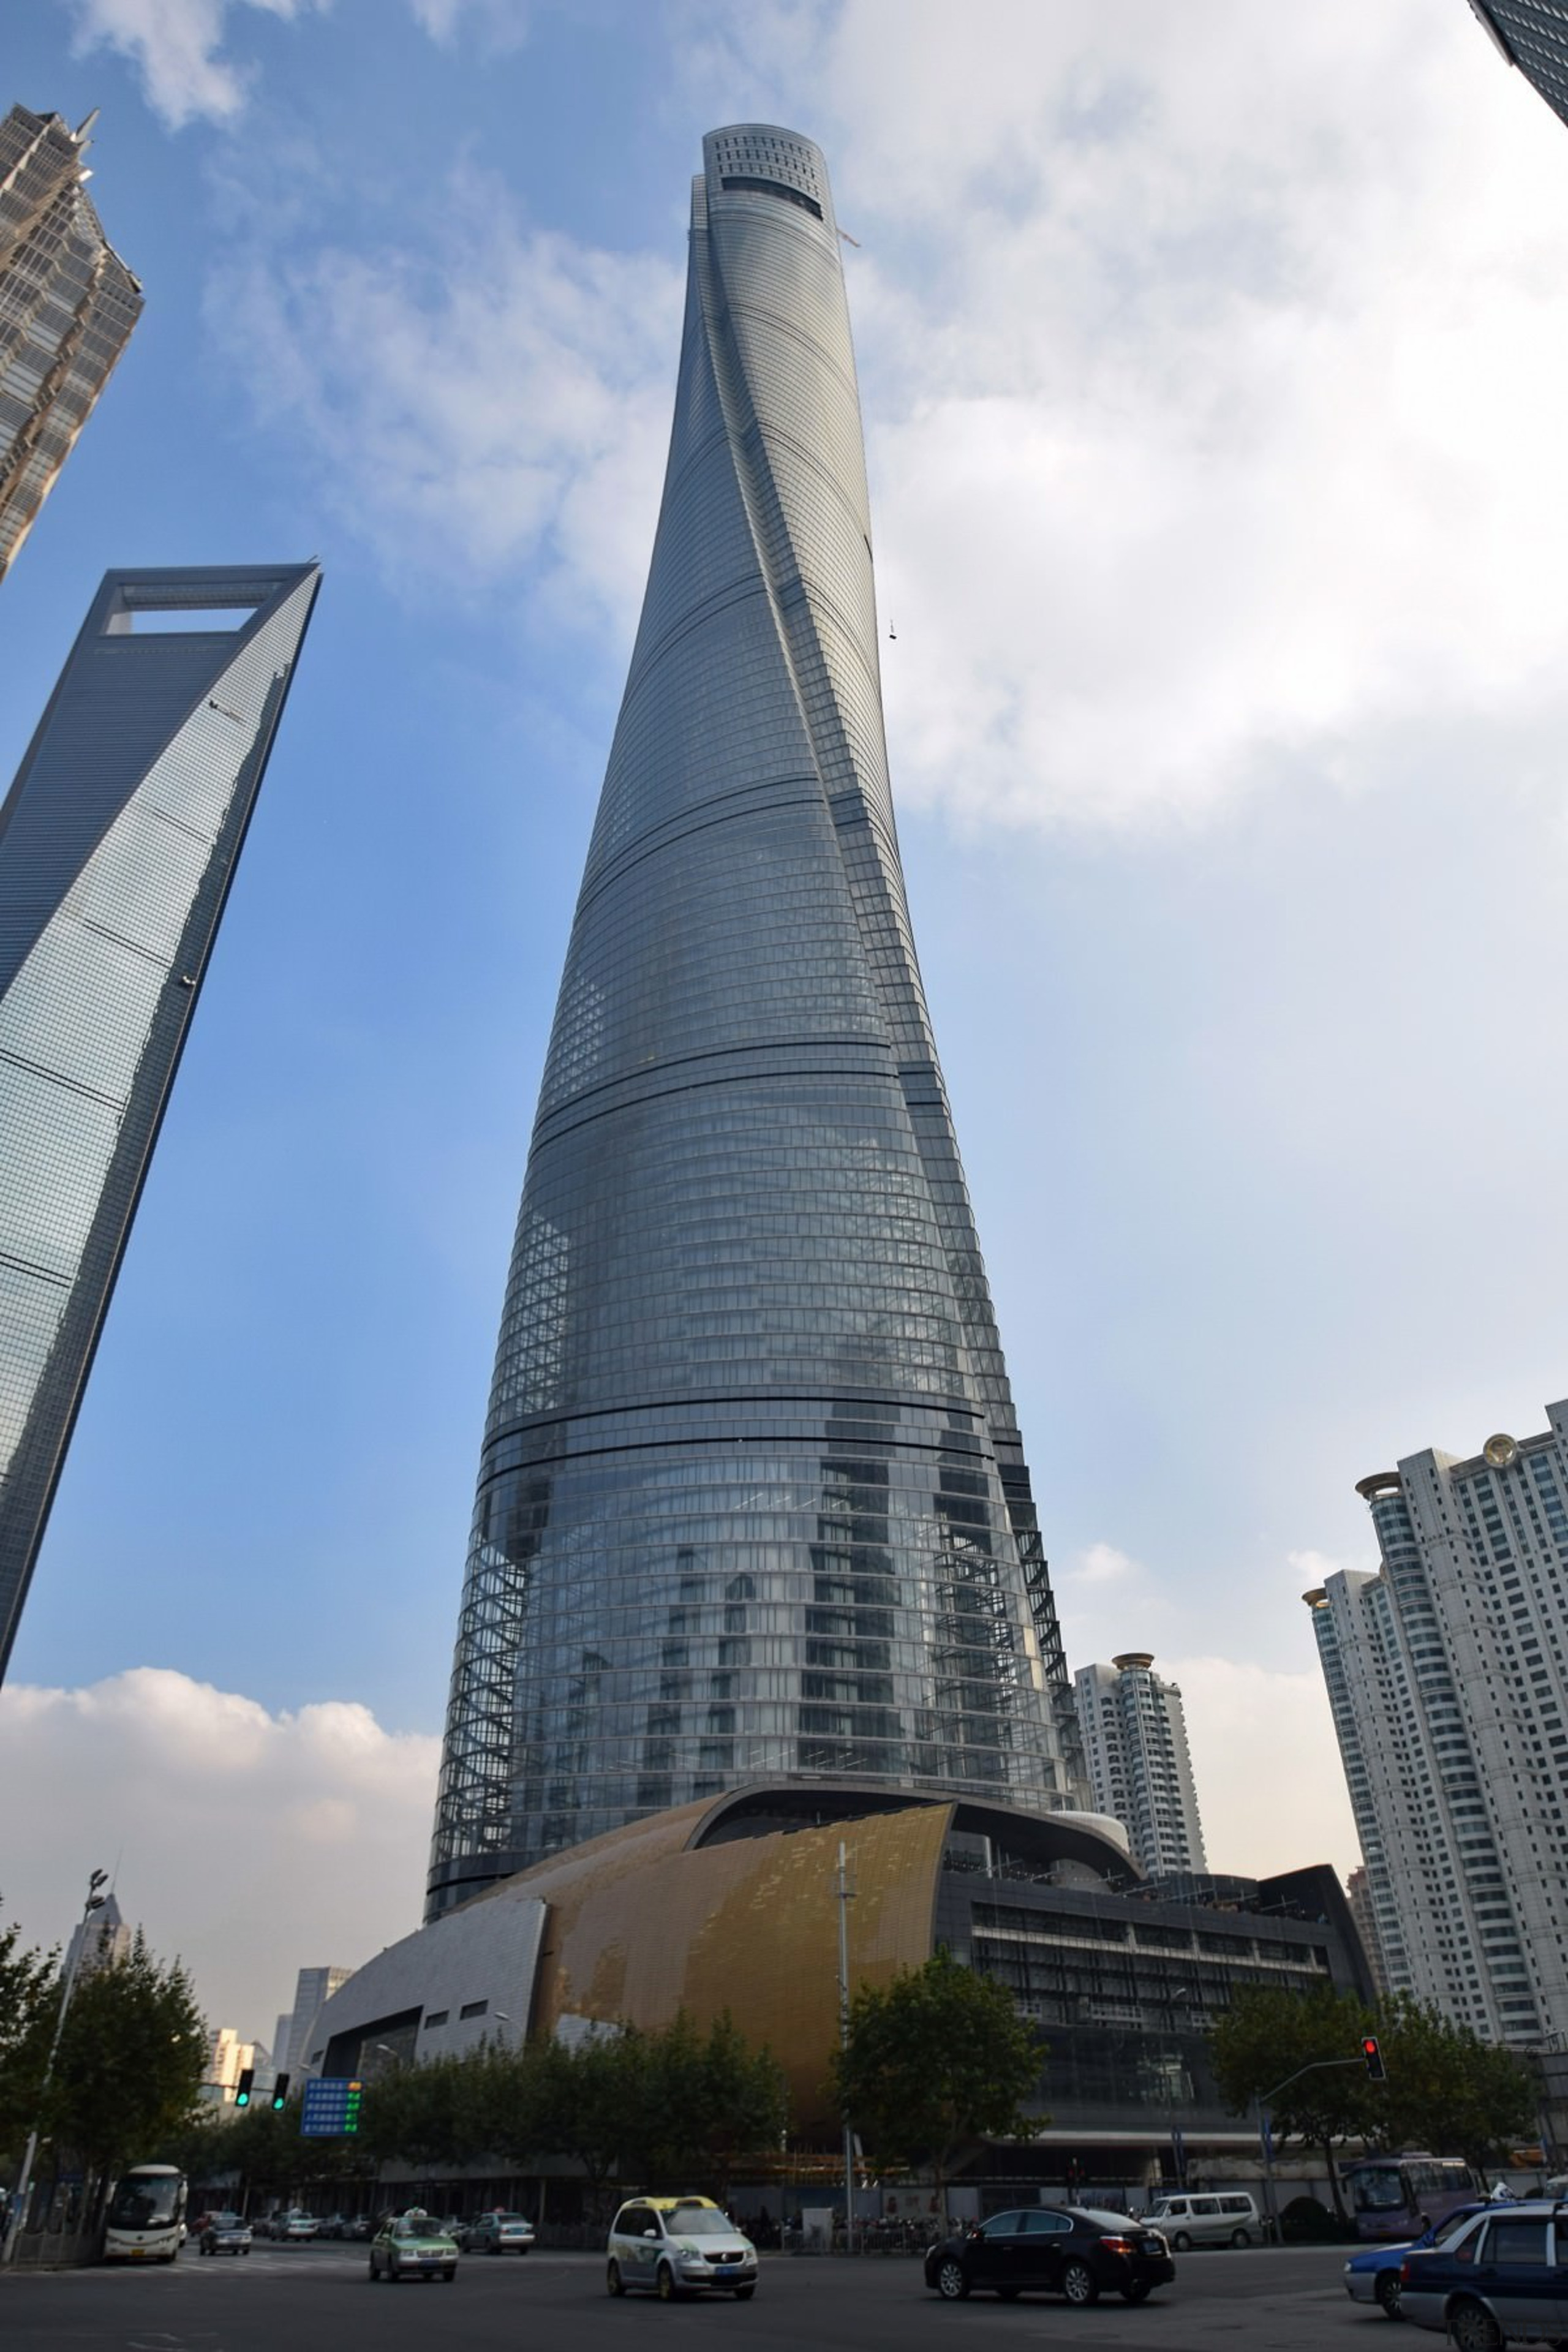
column 95, row 1902
column 1260, row 2106
column 845, row 1895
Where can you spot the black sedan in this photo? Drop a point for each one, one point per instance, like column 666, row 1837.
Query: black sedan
column 1066, row 2250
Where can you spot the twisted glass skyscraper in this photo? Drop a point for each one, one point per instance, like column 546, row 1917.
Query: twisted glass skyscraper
column 751, row 1501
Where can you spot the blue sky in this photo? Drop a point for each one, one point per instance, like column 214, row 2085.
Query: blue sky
column 1211, row 362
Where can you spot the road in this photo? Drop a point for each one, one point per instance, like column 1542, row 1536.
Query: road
column 317, row 2299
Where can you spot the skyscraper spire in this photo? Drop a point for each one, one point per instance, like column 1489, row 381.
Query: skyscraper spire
column 753, row 1500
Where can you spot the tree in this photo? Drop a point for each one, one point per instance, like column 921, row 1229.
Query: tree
column 1447, row 2091
column 937, row 2059
column 30, row 1999
column 1308, row 2046
column 131, row 2063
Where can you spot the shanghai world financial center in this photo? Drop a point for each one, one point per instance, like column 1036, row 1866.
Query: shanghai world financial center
column 752, row 1502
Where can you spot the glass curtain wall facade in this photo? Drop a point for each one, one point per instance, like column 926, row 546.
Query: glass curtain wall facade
column 68, row 304
column 118, row 845
column 752, row 1500
column 1533, row 36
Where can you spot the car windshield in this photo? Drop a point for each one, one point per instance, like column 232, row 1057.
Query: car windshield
column 1377, row 2190
column 701, row 2221
column 1455, row 2224
column 141, row 2203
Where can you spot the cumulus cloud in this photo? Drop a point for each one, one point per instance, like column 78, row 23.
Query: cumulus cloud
column 1314, row 1566
column 176, row 47
column 500, row 25
column 1101, row 1563
column 1271, row 1789
column 484, row 397
column 253, row 1844
column 1188, row 337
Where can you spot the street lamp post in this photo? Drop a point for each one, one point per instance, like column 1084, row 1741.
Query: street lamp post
column 845, row 1895
column 95, row 1902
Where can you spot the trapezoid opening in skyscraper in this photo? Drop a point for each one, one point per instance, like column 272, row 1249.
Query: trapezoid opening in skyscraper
column 752, row 1502
column 118, row 841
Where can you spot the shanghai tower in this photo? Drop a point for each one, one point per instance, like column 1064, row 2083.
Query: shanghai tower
column 752, row 1501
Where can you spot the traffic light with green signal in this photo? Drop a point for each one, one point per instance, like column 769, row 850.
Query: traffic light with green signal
column 242, row 2088
column 279, row 2094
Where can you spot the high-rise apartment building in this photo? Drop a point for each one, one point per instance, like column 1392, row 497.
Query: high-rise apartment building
column 1140, row 1769
column 1448, row 1681
column 68, row 304
column 1533, row 36
column 1358, row 1895
column 753, row 1499
column 118, row 846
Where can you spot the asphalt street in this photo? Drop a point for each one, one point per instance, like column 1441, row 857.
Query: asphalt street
column 319, row 2299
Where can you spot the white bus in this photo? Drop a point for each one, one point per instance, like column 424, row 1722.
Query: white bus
column 146, row 2215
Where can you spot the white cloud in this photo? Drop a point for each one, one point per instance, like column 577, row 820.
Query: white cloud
column 1102, row 1564
column 253, row 1844
column 176, row 45
column 495, row 398
column 1315, row 1567
column 1210, row 357
column 1271, row 1789
column 501, row 25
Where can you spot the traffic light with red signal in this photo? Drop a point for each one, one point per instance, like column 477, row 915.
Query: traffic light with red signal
column 1376, row 2070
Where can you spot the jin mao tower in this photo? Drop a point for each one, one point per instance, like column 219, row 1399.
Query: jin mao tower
column 68, row 304
column 751, row 1501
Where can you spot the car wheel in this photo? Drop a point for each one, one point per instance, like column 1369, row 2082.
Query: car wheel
column 374, row 2272
column 745, row 2293
column 952, row 2280
column 667, row 2289
column 1241, row 2237
column 447, row 2276
column 1137, row 2291
column 394, row 2271
column 1181, row 2244
column 1474, row 2329
column 1388, row 2291
column 1080, row 2284
column 615, row 2284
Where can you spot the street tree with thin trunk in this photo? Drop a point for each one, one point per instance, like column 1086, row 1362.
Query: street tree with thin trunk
column 936, row 2061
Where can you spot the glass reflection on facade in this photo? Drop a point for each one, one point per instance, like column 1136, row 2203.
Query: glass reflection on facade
column 118, row 845
column 68, row 304
column 751, row 1500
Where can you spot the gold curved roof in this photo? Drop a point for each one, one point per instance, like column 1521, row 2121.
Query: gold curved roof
column 642, row 1925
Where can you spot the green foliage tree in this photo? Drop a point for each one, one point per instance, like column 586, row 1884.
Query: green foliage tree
column 29, row 1998
column 694, row 2103
column 936, row 2060
column 1269, row 2036
column 130, row 2065
column 1447, row 2091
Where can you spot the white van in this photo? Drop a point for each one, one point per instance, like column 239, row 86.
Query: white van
column 1219, row 2217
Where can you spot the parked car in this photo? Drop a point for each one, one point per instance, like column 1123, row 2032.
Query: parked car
column 224, row 2234
column 1221, row 2217
column 334, row 2225
column 411, row 2245
column 1501, row 2277
column 500, row 2233
column 359, row 2228
column 295, row 2226
column 1075, row 2251
column 678, row 2246
column 1372, row 2276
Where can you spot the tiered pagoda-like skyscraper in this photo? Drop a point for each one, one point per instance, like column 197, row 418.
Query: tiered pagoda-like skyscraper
column 752, row 1501
column 68, row 304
